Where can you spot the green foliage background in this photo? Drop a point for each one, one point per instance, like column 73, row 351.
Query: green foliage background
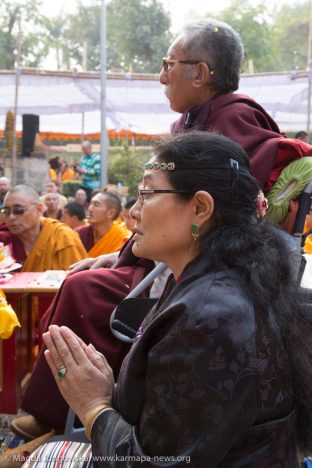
column 138, row 34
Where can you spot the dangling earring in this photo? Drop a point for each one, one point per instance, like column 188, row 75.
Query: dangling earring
column 195, row 231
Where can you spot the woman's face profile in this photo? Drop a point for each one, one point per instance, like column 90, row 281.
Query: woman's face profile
column 163, row 221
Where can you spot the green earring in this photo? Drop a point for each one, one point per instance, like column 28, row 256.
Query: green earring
column 195, row 231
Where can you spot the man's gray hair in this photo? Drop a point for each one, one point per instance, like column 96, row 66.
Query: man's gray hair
column 217, row 44
column 86, row 143
column 27, row 190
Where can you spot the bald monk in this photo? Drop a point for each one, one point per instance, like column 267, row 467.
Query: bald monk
column 38, row 243
column 53, row 209
column 103, row 234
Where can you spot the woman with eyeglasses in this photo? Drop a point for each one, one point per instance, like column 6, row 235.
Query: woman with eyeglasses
column 220, row 370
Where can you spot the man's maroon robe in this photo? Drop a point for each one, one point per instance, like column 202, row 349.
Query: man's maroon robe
column 242, row 119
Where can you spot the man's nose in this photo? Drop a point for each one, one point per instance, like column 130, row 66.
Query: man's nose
column 163, row 77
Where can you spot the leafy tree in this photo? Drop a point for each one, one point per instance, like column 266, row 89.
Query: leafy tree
column 54, row 39
column 291, row 37
column 20, row 23
column 138, row 34
column 81, row 36
column 126, row 166
column 252, row 23
column 275, row 40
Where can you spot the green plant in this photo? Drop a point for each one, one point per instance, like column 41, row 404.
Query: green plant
column 126, row 166
column 70, row 186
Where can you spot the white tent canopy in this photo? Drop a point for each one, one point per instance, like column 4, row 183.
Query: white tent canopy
column 66, row 101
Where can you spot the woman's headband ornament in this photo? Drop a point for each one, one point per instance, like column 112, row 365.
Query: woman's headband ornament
column 232, row 164
column 160, row 166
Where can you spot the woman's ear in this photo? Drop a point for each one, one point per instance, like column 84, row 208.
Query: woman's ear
column 204, row 206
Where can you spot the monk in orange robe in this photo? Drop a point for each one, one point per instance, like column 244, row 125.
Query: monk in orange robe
column 103, row 234
column 307, row 226
column 38, row 243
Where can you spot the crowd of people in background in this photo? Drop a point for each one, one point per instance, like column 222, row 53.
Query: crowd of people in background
column 91, row 222
column 87, row 170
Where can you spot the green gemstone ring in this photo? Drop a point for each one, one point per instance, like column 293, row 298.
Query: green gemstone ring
column 61, row 372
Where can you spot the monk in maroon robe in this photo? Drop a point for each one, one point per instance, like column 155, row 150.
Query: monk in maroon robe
column 84, row 303
column 200, row 76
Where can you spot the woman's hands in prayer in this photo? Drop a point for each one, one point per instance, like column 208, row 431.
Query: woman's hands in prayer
column 102, row 261
column 88, row 381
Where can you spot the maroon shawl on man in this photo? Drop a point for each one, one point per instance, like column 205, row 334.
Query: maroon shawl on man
column 86, row 234
column 242, row 119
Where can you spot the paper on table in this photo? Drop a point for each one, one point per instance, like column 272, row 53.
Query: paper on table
column 15, row 266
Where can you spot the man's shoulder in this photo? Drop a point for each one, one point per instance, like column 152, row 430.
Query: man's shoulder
column 56, row 227
column 234, row 101
column 83, row 229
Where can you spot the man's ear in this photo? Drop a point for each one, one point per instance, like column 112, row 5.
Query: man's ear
column 204, row 207
column 40, row 207
column 111, row 214
column 203, row 75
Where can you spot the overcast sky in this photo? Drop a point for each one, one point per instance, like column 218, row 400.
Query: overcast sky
column 179, row 9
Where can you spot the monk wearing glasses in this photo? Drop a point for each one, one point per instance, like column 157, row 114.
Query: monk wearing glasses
column 38, row 243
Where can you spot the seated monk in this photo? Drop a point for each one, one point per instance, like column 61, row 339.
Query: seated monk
column 52, row 207
column 104, row 288
column 73, row 215
column 38, row 243
column 103, row 235
column 52, row 187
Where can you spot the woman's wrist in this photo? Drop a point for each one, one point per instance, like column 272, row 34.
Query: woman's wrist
column 93, row 416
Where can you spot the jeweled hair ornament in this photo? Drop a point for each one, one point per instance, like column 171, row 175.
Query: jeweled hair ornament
column 231, row 165
column 162, row 166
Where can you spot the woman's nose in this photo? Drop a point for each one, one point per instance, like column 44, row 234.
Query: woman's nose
column 134, row 211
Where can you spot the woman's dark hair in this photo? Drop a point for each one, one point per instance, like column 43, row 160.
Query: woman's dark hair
column 217, row 44
column 253, row 247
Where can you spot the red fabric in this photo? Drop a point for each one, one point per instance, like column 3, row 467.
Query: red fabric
column 289, row 150
column 86, row 234
column 17, row 248
column 242, row 119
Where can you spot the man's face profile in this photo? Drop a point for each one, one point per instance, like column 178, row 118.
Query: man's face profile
column 87, row 149
column 178, row 80
column 20, row 224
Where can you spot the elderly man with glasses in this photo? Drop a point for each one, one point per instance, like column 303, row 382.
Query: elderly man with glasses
column 38, row 243
column 200, row 75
